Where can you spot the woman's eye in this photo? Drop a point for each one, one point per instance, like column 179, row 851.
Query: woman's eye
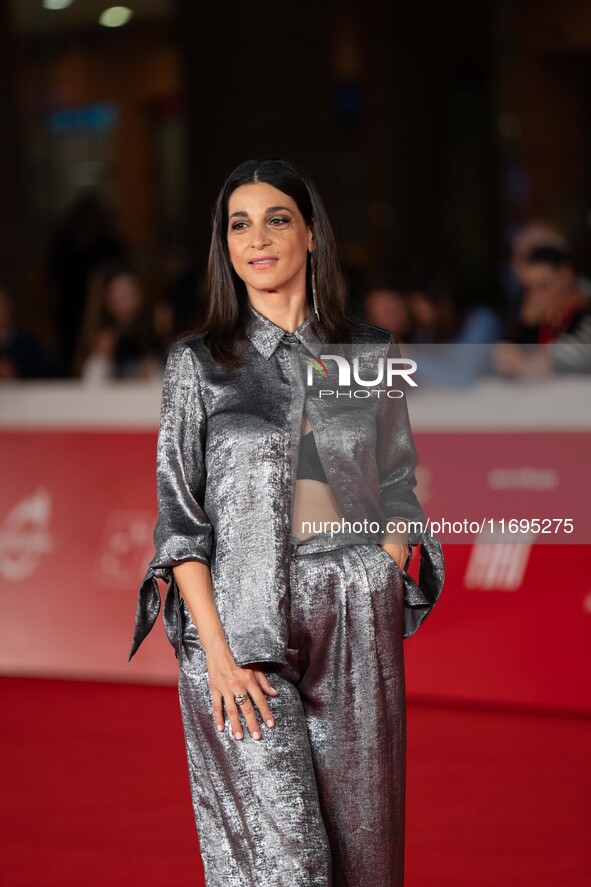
column 237, row 226
column 278, row 220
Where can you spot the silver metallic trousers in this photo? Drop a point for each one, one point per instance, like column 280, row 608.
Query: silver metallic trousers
column 319, row 800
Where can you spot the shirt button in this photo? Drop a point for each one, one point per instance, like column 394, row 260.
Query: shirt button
column 331, row 470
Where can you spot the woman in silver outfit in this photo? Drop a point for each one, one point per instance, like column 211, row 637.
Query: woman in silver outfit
column 288, row 633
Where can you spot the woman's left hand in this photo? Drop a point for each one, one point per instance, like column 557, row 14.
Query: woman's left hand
column 397, row 552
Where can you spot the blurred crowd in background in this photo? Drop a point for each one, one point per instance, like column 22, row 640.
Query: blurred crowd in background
column 451, row 145
column 542, row 329
column 107, row 328
column 110, row 331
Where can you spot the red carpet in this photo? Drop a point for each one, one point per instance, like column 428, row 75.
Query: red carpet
column 96, row 794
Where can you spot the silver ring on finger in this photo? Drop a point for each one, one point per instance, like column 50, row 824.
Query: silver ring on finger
column 240, row 698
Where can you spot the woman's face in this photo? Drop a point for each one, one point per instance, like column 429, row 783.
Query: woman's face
column 268, row 239
column 123, row 298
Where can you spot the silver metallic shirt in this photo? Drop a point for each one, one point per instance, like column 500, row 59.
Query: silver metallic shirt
column 226, row 470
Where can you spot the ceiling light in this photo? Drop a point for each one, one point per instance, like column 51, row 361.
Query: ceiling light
column 115, row 16
column 56, row 4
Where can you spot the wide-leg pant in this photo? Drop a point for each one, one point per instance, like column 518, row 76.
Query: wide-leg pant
column 320, row 798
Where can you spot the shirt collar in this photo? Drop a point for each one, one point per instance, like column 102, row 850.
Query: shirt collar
column 266, row 335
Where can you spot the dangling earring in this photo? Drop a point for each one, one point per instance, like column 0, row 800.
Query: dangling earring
column 313, row 276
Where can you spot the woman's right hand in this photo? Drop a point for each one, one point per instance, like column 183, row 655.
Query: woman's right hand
column 226, row 680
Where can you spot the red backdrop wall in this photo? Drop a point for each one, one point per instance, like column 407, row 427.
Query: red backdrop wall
column 77, row 509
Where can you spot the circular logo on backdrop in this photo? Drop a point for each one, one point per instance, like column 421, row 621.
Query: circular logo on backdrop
column 25, row 536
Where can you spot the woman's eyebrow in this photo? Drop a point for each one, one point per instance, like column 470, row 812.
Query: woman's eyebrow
column 270, row 209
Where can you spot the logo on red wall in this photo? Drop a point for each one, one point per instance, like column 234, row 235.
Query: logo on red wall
column 497, row 566
column 25, row 536
column 125, row 548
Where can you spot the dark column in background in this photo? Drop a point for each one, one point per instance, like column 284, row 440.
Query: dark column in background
column 428, row 134
column 12, row 232
column 387, row 105
column 547, row 143
column 257, row 83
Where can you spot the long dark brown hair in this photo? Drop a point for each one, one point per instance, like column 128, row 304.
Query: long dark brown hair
column 228, row 314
